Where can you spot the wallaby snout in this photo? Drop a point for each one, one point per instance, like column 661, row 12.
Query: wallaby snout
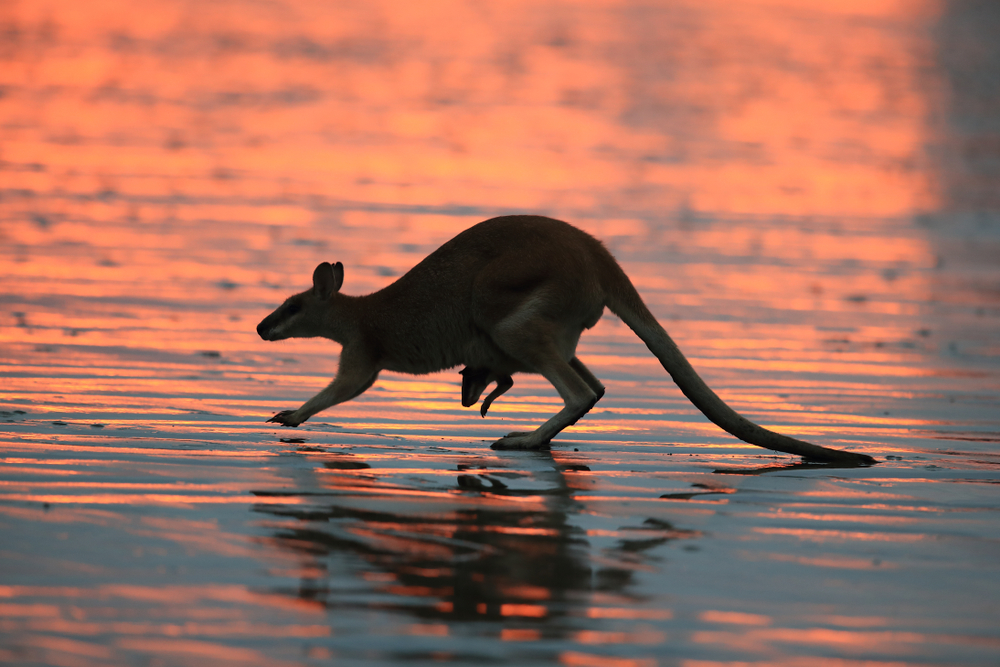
column 280, row 324
column 264, row 329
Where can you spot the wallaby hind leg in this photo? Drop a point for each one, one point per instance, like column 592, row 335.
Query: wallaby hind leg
column 587, row 376
column 578, row 396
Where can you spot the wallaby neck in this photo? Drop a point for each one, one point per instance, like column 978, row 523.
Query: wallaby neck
column 342, row 321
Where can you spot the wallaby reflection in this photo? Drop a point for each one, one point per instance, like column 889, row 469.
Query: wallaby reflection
column 506, row 547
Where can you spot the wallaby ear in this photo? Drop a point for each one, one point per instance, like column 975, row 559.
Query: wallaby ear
column 327, row 279
column 323, row 280
column 338, row 276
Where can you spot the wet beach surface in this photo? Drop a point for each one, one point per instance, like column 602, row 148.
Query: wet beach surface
column 806, row 197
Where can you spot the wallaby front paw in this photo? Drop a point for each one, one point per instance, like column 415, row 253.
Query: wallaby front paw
column 284, row 418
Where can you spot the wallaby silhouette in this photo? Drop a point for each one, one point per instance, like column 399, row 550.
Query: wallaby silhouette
column 508, row 295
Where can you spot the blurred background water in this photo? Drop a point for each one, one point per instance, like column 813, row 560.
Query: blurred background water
column 806, row 194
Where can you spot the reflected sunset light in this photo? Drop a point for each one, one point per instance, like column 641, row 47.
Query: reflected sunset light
column 803, row 192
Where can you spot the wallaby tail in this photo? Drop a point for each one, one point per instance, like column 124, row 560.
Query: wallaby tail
column 624, row 301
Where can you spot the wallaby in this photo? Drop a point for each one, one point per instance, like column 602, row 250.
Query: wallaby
column 508, row 295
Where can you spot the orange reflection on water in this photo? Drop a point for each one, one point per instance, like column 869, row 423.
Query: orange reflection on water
column 165, row 451
column 836, row 562
column 168, row 594
column 848, row 640
column 96, row 628
column 32, row 610
column 72, row 647
column 427, row 630
column 866, row 518
column 139, row 499
column 578, row 659
column 606, row 637
column 734, row 617
column 527, row 610
column 816, row 535
column 629, row 612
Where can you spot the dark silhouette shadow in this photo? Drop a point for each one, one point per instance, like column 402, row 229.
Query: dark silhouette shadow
column 491, row 545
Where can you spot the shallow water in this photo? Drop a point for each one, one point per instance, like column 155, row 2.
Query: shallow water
column 805, row 196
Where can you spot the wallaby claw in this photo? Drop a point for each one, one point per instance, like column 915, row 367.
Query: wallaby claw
column 281, row 418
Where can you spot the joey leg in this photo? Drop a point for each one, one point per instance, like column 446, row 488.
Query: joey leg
column 474, row 383
column 503, row 384
column 577, row 395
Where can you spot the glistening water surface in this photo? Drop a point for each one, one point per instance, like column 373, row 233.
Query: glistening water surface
column 805, row 193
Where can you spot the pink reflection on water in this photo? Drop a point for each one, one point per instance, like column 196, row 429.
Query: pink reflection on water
column 579, row 659
column 170, row 175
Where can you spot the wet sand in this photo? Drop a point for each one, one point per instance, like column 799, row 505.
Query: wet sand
column 806, row 198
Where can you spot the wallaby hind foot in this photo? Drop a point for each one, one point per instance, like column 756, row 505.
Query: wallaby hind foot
column 520, row 440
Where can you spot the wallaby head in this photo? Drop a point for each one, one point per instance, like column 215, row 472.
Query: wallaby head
column 303, row 315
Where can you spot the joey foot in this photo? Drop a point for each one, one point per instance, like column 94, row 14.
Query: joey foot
column 284, row 418
column 519, row 440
